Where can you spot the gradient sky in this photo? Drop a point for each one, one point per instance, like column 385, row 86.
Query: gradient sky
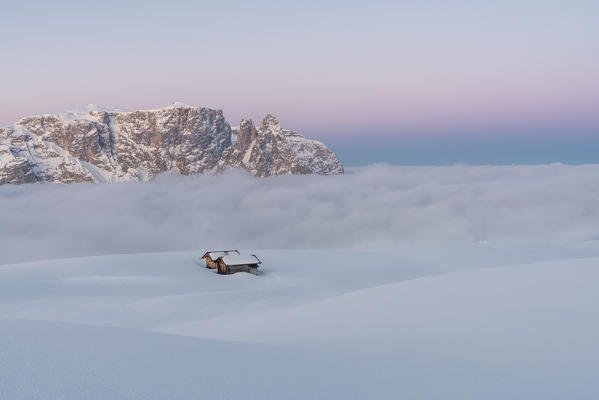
column 410, row 82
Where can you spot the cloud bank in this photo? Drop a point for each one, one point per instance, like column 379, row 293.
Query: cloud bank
column 373, row 207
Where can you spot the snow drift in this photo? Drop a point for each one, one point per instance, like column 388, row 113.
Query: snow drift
column 445, row 321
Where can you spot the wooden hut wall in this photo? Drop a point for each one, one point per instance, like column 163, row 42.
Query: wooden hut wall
column 231, row 269
column 222, row 267
column 210, row 264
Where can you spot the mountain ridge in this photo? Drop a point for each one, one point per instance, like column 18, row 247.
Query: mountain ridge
column 102, row 144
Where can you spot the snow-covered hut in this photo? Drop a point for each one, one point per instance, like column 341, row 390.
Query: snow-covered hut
column 211, row 257
column 229, row 264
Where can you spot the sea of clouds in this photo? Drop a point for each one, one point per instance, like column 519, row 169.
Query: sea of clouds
column 370, row 207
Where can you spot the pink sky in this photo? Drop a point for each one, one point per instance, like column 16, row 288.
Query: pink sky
column 327, row 68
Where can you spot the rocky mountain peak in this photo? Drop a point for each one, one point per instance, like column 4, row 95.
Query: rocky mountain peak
column 246, row 124
column 247, row 133
column 271, row 124
column 103, row 144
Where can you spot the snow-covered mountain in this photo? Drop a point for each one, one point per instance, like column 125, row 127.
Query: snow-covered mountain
column 110, row 145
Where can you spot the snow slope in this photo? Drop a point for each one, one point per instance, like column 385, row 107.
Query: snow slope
column 491, row 320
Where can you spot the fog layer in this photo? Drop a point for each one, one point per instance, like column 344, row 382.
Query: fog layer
column 372, row 207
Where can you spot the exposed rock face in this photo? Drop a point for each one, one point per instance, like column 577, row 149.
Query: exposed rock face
column 102, row 145
column 268, row 153
column 246, row 133
column 271, row 150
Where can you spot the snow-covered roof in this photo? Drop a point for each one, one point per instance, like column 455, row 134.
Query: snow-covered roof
column 219, row 253
column 236, row 259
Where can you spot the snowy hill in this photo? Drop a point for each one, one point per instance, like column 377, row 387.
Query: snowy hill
column 491, row 320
